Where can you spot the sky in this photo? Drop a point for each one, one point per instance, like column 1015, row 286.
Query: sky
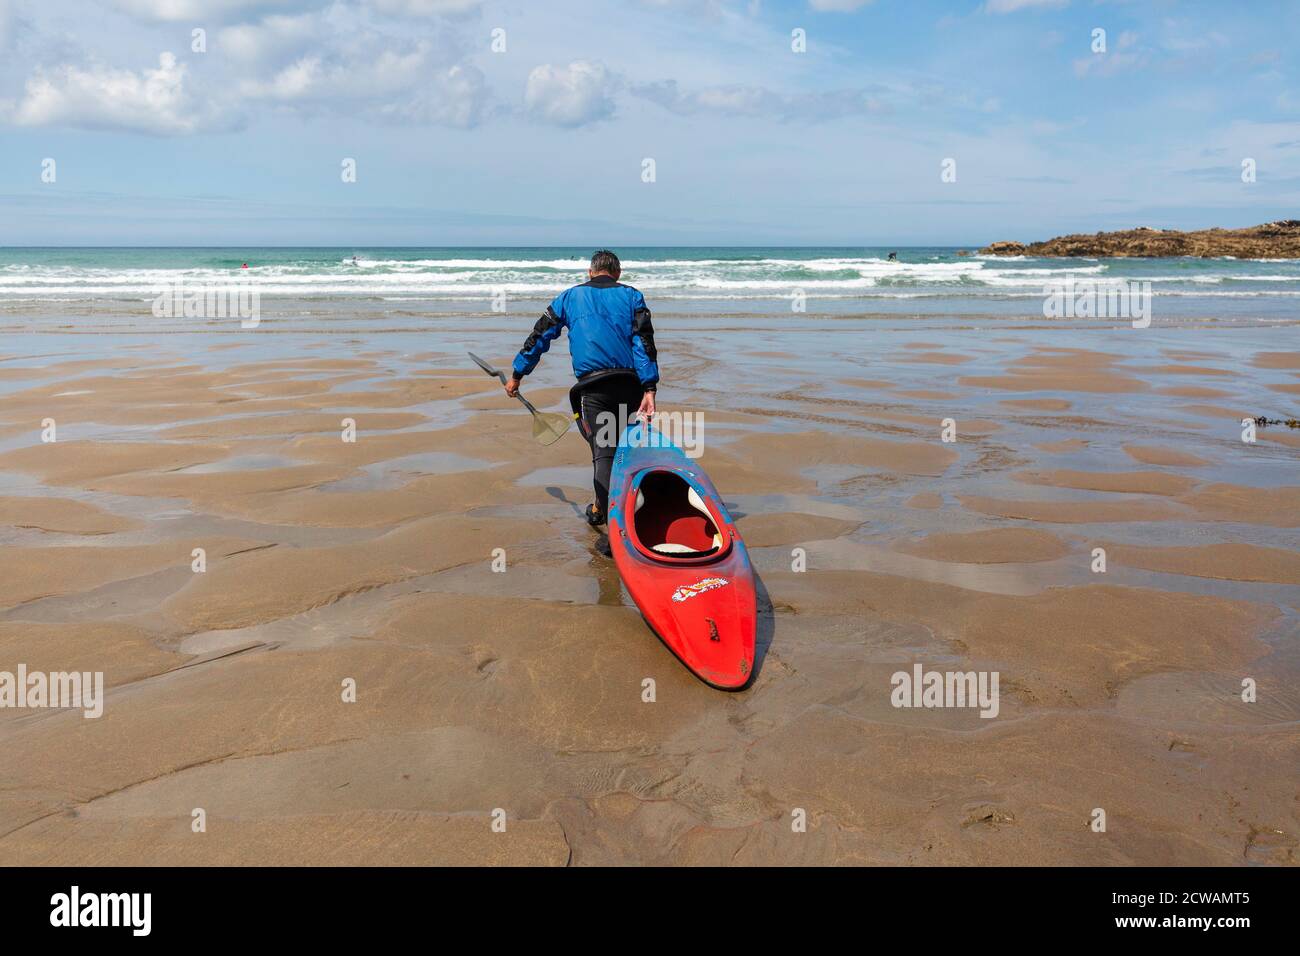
column 641, row 122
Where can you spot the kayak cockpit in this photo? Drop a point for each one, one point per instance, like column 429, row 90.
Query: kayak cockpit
column 672, row 521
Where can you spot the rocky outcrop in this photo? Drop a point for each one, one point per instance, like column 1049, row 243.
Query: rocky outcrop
column 1273, row 240
column 1005, row 249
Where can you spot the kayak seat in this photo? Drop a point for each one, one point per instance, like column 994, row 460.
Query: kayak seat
column 668, row 547
column 670, row 517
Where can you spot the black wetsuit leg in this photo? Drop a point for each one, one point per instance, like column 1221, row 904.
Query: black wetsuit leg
column 607, row 408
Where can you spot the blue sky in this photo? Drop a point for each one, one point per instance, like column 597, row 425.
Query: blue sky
column 544, row 142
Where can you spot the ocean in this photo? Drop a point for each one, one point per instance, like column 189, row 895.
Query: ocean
column 112, row 288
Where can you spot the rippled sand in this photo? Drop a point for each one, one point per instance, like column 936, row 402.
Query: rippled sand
column 519, row 695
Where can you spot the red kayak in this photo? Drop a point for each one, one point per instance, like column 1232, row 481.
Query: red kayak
column 681, row 558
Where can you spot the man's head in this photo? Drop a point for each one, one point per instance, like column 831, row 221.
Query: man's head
column 604, row 263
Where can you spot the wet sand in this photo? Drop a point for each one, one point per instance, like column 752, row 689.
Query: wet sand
column 518, row 694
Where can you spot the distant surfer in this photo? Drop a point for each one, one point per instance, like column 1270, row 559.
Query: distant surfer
column 612, row 344
column 893, row 257
column 244, row 266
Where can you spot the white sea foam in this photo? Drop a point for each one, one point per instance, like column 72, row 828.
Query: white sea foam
column 467, row 277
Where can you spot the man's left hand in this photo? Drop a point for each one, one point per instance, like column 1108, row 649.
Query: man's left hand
column 512, row 386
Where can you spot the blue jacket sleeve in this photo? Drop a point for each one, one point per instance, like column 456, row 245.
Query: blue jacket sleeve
column 643, row 345
column 546, row 331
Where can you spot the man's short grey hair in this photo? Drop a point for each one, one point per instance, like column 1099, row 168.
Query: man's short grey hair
column 605, row 261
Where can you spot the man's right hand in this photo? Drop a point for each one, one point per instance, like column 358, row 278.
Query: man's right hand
column 512, row 386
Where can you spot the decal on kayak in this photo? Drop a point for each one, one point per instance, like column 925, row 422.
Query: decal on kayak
column 699, row 587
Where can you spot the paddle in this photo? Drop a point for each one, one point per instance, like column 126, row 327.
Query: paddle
column 548, row 427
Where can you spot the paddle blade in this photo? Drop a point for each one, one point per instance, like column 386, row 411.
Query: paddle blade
column 549, row 427
column 488, row 368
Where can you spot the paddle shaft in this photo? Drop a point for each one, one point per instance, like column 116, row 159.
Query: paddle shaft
column 519, row 395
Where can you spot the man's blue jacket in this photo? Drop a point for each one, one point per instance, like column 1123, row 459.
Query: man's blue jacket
column 609, row 328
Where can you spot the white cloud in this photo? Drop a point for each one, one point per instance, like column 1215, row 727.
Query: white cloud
column 272, row 38
column 427, row 8
column 1125, row 56
column 570, row 95
column 300, row 79
column 216, row 10
column 395, row 85
column 838, row 6
column 98, row 97
column 455, row 97
column 338, row 60
column 758, row 101
column 332, row 78
column 1011, row 6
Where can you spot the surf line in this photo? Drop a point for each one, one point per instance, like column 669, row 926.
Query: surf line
column 56, row 690
column 936, row 689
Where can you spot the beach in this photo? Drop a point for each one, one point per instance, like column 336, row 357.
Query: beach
column 282, row 547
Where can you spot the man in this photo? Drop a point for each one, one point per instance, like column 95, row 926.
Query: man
column 612, row 344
